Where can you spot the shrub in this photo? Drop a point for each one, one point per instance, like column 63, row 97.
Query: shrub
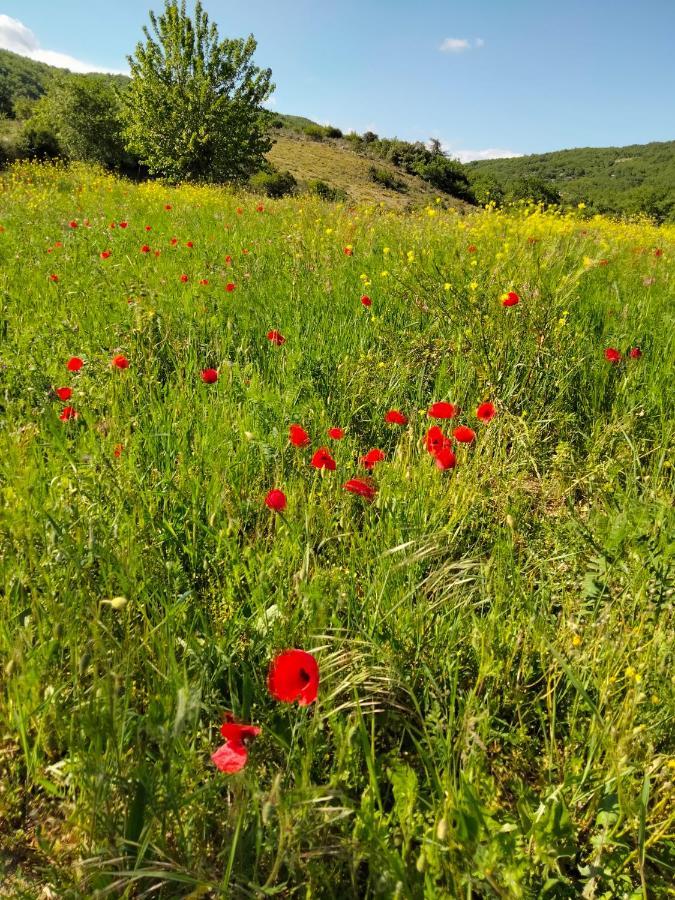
column 532, row 188
column 353, row 137
column 448, row 175
column 277, row 123
column 332, row 132
column 386, row 179
column 274, row 184
column 315, row 132
column 326, row 191
column 368, row 137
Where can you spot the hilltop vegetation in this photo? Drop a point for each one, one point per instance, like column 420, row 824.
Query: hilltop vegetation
column 633, row 179
column 487, row 597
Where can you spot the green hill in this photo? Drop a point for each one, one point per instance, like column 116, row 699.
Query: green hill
column 640, row 177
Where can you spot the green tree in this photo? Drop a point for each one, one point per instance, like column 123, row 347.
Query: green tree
column 193, row 108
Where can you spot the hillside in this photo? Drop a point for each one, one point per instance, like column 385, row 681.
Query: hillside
column 609, row 179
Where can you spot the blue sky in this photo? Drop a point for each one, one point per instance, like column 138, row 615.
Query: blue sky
column 484, row 76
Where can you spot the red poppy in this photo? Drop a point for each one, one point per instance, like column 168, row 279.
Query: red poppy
column 260, row 208
column 348, row 251
column 123, row 224
column 298, row 436
column 64, row 393
column 113, row 225
column 106, row 254
column 120, row 361
column 323, row 460
column 612, row 355
column 294, row 675
column 184, row 278
column 209, row 376
column 73, row 224
column 118, row 450
column 485, row 412
column 472, row 248
column 366, row 300
column 603, row 262
column 276, row 500
column 442, row 410
column 230, row 286
column 228, row 260
column 74, row 364
column 635, row 353
column 233, row 754
column 445, row 459
column 189, row 244
column 361, row 487
column 276, row 337
column 167, row 207
column 658, row 252
column 145, row 249
column 394, row 417
column 336, row 433
column 239, row 210
column 67, row 413
column 204, row 282
column 511, row 299
column 464, row 435
column 435, row 440
column 372, row 457
column 173, row 241
column 157, row 252
column 58, row 244
column 53, row 277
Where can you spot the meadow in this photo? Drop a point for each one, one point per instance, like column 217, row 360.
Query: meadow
column 490, row 611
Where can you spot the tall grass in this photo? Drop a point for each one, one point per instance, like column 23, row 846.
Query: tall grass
column 495, row 714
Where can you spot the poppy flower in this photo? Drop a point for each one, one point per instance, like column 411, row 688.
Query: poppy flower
column 184, row 278
column 445, row 459
column 276, row 337
column 348, row 251
column 472, row 248
column 209, row 376
column 658, row 252
column 464, row 435
column 435, row 440
column 442, row 410
column 298, row 436
column 260, row 208
column 228, row 260
column 124, row 224
column 276, row 500
column 239, row 210
column 64, row 393
column 113, row 225
column 230, row 286
column 167, row 207
column 148, row 227
column 173, row 241
column 361, row 487
column 485, row 412
column 603, row 262
column 510, row 299
column 74, row 364
column 58, row 244
column 635, row 353
column 118, row 450
column 120, row 361
column 53, row 277
column 204, row 282
column 323, row 460
column 366, row 300
column 336, row 433
column 233, row 754
column 73, row 224
column 189, row 244
column 294, row 675
column 612, row 355
column 145, row 249
column 68, row 412
column 106, row 254
column 372, row 457
column 394, row 417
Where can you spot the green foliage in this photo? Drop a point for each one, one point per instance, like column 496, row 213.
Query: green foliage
column 619, row 180
column 38, row 137
column 533, row 188
column 446, row 175
column 314, row 132
column 274, row 184
column 193, row 107
column 495, row 642
column 333, row 132
column 386, row 178
column 326, row 191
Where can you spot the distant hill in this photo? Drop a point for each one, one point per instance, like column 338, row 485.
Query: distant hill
column 640, row 177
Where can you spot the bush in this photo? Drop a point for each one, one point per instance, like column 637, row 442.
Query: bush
column 386, row 179
column 333, row 132
column 368, row 137
column 327, row 191
column 315, row 132
column 353, row 138
column 274, row 184
column 447, row 175
column 532, row 188
column 277, row 123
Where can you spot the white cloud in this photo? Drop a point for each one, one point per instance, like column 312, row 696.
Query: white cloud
column 491, row 153
column 15, row 36
column 459, row 45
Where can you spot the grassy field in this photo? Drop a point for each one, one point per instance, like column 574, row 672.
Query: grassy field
column 494, row 641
